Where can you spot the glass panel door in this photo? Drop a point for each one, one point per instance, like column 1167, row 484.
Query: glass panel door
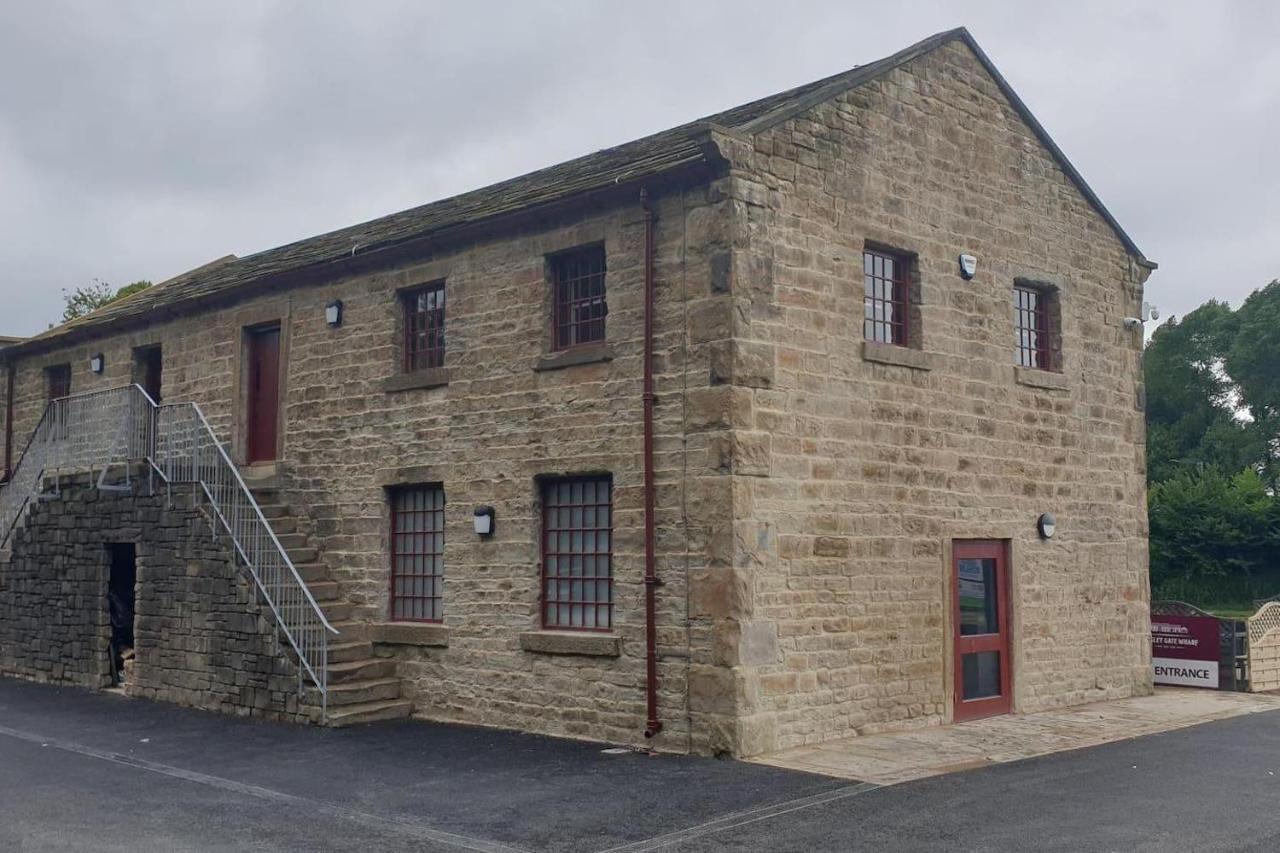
column 980, row 585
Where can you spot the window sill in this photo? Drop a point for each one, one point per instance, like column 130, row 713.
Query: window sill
column 589, row 354
column 896, row 355
column 1038, row 378
column 409, row 634
column 432, row 377
column 571, row 643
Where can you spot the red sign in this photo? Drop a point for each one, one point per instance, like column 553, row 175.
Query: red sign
column 1184, row 650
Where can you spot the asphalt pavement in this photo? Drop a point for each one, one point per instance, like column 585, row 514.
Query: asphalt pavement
column 84, row 771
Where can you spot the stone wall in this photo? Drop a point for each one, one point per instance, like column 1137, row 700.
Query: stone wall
column 200, row 637
column 858, row 465
column 503, row 418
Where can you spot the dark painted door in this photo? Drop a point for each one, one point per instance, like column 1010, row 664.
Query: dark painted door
column 151, row 370
column 263, row 413
column 980, row 589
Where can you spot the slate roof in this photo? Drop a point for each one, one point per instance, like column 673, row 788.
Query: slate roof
column 661, row 153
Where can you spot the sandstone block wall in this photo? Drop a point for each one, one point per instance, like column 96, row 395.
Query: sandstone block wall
column 200, row 636
column 860, row 467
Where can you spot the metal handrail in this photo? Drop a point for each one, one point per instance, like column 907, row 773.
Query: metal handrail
column 178, row 444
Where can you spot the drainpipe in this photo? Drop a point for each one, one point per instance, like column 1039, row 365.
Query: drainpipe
column 8, row 421
column 651, row 581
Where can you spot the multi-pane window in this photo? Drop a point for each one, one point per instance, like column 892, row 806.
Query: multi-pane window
column 579, row 308
column 886, row 297
column 1031, row 324
column 424, row 328
column 59, row 381
column 577, row 547
column 417, row 553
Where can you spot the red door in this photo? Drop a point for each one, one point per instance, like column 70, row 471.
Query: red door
column 264, row 394
column 980, row 589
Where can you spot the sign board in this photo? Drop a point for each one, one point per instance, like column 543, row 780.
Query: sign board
column 1184, row 650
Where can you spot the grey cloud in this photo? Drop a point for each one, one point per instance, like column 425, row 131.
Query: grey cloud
column 141, row 139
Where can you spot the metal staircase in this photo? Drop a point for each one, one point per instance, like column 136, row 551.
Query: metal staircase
column 124, row 427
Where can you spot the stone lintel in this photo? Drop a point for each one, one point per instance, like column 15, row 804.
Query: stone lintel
column 1038, row 378
column 897, row 355
column 589, row 354
column 431, row 377
column 409, row 634
column 571, row 643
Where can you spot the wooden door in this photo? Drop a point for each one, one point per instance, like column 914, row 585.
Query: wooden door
column 151, row 371
column 980, row 590
column 263, row 412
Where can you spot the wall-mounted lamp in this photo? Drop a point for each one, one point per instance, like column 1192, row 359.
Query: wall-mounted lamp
column 484, row 521
column 968, row 266
column 1046, row 524
column 333, row 313
column 97, row 363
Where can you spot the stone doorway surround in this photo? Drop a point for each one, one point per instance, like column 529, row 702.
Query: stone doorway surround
column 888, row 759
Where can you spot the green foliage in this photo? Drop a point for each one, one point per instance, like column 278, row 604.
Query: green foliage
column 1207, row 525
column 87, row 299
column 1213, row 406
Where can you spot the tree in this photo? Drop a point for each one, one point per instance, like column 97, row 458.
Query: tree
column 87, row 299
column 1253, row 362
column 1214, row 534
column 1193, row 418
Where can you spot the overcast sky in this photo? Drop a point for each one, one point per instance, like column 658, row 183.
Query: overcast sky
column 140, row 139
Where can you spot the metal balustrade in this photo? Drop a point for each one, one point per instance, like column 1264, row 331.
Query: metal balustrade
column 122, row 426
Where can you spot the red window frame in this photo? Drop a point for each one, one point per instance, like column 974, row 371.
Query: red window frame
column 579, row 303
column 1031, row 326
column 417, row 553
column 886, row 301
column 577, row 553
column 424, row 319
column 58, row 379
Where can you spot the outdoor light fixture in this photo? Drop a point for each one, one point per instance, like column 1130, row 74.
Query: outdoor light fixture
column 484, row 520
column 1046, row 524
column 97, row 363
column 333, row 313
column 968, row 266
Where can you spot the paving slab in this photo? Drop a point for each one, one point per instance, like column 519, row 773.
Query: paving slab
column 892, row 758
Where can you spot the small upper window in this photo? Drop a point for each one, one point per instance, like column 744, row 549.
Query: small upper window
column 886, row 297
column 1033, row 325
column 58, row 378
column 579, row 307
column 424, row 327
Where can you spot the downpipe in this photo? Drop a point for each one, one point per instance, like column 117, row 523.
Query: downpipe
column 651, row 582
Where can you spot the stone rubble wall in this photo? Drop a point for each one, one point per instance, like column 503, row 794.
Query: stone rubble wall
column 200, row 637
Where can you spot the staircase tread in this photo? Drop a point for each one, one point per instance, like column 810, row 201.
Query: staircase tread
column 344, row 666
column 363, row 684
column 361, row 708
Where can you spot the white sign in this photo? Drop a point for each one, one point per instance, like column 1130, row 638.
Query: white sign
column 1186, row 673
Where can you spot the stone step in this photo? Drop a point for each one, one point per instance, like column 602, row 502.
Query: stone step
column 274, row 510
column 323, row 591
column 369, row 712
column 336, row 610
column 313, row 572
column 368, row 669
column 302, row 555
column 292, row 541
column 283, row 525
column 364, row 690
column 349, row 630
column 346, row 652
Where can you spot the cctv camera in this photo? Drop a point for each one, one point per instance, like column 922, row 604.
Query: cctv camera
column 1132, row 323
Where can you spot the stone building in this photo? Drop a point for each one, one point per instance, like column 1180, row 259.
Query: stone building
column 892, row 337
